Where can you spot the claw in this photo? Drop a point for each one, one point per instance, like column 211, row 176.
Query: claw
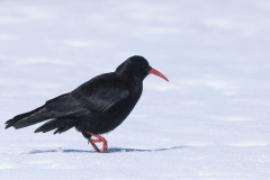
column 98, row 139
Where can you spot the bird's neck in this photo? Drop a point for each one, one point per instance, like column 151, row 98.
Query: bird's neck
column 130, row 78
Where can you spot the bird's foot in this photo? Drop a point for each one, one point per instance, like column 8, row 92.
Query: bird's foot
column 98, row 139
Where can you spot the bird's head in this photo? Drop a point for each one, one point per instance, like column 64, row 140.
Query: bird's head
column 137, row 68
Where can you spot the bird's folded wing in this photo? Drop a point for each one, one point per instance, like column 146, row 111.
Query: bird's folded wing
column 65, row 105
column 101, row 95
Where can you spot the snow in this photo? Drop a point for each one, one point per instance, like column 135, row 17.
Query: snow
column 211, row 121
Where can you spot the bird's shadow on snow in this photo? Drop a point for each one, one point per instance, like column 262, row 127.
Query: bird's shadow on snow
column 123, row 150
column 110, row 150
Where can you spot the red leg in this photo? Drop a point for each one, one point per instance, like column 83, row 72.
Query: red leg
column 98, row 139
column 94, row 145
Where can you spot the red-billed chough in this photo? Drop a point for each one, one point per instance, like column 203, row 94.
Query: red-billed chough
column 96, row 107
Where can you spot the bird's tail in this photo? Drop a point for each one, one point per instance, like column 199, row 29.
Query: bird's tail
column 59, row 125
column 27, row 119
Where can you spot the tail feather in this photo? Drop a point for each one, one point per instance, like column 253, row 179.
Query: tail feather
column 48, row 126
column 60, row 124
column 29, row 118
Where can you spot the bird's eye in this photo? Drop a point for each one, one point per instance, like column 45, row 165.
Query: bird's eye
column 146, row 68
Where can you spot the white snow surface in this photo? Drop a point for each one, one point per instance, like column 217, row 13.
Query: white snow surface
column 211, row 121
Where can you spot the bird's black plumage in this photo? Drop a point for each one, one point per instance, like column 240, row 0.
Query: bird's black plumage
column 97, row 106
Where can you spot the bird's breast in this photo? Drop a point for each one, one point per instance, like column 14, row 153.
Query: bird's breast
column 112, row 118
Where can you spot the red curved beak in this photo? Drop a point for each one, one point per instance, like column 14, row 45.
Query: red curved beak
column 157, row 73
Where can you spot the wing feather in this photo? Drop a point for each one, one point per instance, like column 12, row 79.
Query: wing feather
column 102, row 93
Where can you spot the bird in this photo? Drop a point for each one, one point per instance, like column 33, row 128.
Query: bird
column 96, row 107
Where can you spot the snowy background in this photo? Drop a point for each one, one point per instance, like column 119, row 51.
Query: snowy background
column 210, row 122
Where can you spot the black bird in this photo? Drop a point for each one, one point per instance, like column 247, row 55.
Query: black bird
column 96, row 107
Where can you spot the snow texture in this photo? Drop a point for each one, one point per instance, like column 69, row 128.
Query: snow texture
column 211, row 121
